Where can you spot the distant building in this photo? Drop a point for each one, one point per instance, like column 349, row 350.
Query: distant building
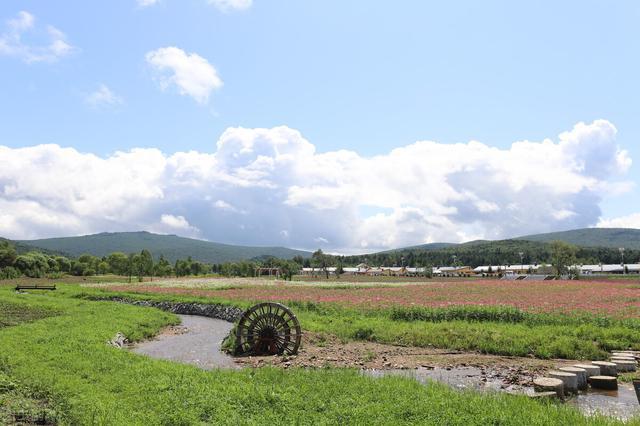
column 631, row 268
column 511, row 269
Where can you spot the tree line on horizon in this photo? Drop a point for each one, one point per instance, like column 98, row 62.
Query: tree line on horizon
column 505, row 252
column 37, row 264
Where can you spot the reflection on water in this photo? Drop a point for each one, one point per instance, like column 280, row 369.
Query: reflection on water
column 622, row 404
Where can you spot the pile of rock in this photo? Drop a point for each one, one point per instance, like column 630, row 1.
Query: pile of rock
column 599, row 375
column 119, row 341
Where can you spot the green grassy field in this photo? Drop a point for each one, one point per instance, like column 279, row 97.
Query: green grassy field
column 486, row 329
column 64, row 359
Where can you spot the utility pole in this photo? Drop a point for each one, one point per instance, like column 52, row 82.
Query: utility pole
column 621, row 249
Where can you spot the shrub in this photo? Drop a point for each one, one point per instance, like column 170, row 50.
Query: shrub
column 9, row 273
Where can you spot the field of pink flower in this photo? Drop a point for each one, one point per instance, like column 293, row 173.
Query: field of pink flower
column 621, row 299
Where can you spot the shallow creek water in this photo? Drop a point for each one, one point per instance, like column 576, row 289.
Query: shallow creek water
column 199, row 344
column 622, row 404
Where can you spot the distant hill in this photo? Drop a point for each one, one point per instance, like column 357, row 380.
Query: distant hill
column 595, row 245
column 171, row 247
column 429, row 246
column 593, row 237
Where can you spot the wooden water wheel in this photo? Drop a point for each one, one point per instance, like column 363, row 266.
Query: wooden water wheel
column 268, row 329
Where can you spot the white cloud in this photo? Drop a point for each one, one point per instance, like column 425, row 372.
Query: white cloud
column 103, row 96
column 175, row 224
column 52, row 47
column 630, row 221
column 178, row 222
column 231, row 5
column 145, row 3
column 260, row 182
column 192, row 74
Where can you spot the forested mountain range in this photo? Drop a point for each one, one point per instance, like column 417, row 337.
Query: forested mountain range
column 593, row 237
column 171, row 247
column 595, row 245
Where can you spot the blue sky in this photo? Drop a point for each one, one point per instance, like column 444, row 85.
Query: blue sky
column 367, row 77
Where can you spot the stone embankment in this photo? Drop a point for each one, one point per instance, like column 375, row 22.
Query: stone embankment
column 227, row 313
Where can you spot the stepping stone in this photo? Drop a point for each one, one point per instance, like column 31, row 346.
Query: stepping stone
column 604, row 382
column 634, row 354
column 624, row 366
column 581, row 373
column 547, row 384
column 570, row 380
column 622, row 358
column 606, row 368
column 592, row 370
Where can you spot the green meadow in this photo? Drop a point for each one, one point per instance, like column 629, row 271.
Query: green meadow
column 54, row 359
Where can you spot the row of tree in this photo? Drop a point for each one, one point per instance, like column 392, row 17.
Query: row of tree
column 135, row 265
column 507, row 252
column 139, row 265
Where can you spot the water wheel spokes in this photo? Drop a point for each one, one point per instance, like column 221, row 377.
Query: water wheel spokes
column 268, row 329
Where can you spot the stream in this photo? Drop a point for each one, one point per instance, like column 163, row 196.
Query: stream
column 198, row 345
column 198, row 340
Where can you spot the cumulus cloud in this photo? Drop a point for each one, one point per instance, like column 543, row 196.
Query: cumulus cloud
column 630, row 221
column 103, row 96
column 190, row 73
column 51, row 43
column 177, row 222
column 270, row 186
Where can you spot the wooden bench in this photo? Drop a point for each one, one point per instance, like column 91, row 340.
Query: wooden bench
column 35, row 287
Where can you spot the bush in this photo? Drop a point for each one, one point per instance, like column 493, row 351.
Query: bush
column 9, row 273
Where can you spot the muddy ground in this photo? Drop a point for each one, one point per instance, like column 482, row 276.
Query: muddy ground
column 321, row 350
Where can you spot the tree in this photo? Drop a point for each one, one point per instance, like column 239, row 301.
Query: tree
column 118, row 263
column 32, row 264
column 63, row 264
column 77, row 268
column 132, row 264
column 563, row 256
column 7, row 254
column 288, row 268
column 162, row 267
column 428, row 271
column 182, row 267
column 320, row 260
column 339, row 269
column 146, row 264
column 103, row 268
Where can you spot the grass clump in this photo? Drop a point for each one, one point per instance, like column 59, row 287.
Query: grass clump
column 458, row 313
column 17, row 313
